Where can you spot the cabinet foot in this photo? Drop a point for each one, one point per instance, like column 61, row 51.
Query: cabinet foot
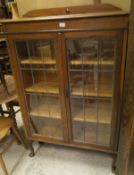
column 114, row 164
column 32, row 153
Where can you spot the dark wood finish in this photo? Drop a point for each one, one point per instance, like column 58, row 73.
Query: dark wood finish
column 73, row 10
column 125, row 155
column 109, row 25
column 131, row 160
column 120, row 22
column 61, row 67
column 74, row 145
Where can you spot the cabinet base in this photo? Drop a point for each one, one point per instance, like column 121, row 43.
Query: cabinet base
column 73, row 145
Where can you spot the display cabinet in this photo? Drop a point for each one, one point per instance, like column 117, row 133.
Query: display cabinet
column 69, row 74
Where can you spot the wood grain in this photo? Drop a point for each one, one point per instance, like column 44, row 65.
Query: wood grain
column 97, row 7
column 126, row 132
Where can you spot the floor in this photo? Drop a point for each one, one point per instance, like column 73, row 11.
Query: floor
column 56, row 160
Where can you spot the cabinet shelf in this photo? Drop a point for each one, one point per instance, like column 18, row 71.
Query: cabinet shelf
column 53, row 89
column 90, row 114
column 50, row 61
column 91, row 62
column 42, row 87
column 38, row 61
column 104, row 91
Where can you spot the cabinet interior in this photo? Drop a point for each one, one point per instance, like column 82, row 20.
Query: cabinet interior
column 90, row 75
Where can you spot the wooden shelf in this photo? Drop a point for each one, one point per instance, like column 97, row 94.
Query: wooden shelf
column 38, row 61
column 91, row 62
column 51, row 109
column 89, row 114
column 53, row 89
column 50, row 61
column 42, row 87
column 104, row 91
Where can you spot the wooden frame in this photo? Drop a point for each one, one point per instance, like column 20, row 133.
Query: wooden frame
column 58, row 62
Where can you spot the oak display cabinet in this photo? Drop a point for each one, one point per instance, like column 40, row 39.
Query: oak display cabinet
column 69, row 72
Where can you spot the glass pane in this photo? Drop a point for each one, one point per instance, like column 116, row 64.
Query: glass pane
column 78, row 131
column 82, row 52
column 84, row 109
column 105, row 85
column 40, row 81
column 38, row 67
column 51, row 128
column 84, row 83
column 44, row 106
column 84, row 132
column 107, row 48
column 104, row 122
column 77, row 106
column 91, row 63
column 36, row 53
column 76, row 83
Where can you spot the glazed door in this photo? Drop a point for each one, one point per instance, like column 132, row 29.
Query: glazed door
column 39, row 66
column 93, row 71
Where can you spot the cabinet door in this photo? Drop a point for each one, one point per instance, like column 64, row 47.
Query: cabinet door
column 93, row 62
column 39, row 67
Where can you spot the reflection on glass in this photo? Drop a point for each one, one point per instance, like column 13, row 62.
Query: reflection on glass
column 35, row 52
column 40, row 81
column 84, row 132
column 82, row 52
column 39, row 72
column 51, row 128
column 91, row 76
column 45, row 106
